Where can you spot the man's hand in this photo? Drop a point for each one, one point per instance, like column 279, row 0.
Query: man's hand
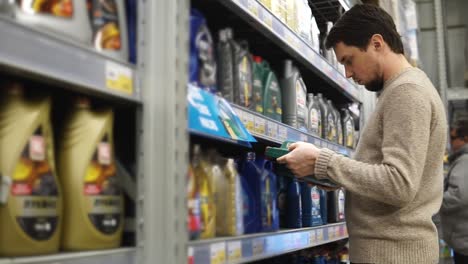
column 301, row 158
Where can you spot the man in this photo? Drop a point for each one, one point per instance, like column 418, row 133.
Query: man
column 454, row 210
column 394, row 184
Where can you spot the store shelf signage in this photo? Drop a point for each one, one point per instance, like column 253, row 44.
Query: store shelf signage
column 212, row 115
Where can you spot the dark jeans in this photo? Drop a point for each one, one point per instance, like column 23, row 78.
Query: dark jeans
column 459, row 258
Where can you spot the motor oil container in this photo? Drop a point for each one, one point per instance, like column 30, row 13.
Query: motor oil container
column 131, row 7
column 304, row 14
column 202, row 63
column 316, row 210
column 292, row 14
column 227, row 196
column 331, row 122
column 243, row 74
column 109, row 25
column 268, row 209
column 225, row 64
column 339, row 127
column 201, row 169
column 315, row 116
column 306, row 204
column 294, row 207
column 336, row 203
column 323, row 206
column 258, row 85
column 31, row 216
column 281, row 200
column 272, row 99
column 348, row 128
column 250, row 175
column 193, row 204
column 231, row 214
column 324, row 109
column 68, row 18
column 294, row 94
column 92, row 194
column 279, row 9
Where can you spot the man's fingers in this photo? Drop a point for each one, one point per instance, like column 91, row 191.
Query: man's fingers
column 292, row 146
column 282, row 159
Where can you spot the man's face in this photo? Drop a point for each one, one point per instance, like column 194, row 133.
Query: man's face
column 456, row 141
column 362, row 66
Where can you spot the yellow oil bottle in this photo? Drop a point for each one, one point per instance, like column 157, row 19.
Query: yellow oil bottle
column 93, row 211
column 31, row 215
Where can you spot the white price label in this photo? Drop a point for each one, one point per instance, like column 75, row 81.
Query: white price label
column 218, row 253
column 320, row 235
column 312, row 237
column 234, row 251
column 259, row 125
column 249, row 122
column 257, row 246
column 331, row 233
column 282, row 133
column 303, row 137
column 272, row 129
column 119, row 77
column 252, row 5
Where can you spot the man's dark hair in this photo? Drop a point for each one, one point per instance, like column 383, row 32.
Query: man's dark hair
column 360, row 23
column 461, row 128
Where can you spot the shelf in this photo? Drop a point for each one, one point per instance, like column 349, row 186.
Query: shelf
column 264, row 245
column 54, row 59
column 115, row 256
column 273, row 131
column 263, row 20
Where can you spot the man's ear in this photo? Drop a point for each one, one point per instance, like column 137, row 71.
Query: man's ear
column 377, row 41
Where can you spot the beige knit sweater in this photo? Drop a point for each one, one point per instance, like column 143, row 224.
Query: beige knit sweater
column 394, row 183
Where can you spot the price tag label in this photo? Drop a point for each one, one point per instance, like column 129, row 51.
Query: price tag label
column 257, row 247
column 252, row 6
column 234, row 251
column 218, row 253
column 249, row 122
column 282, row 133
column 268, row 19
column 331, row 233
column 337, row 232
column 259, row 125
column 319, row 235
column 303, row 137
column 119, row 77
column 312, row 237
column 272, row 129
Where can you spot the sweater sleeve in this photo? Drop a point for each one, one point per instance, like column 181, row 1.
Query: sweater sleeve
column 456, row 194
column 406, row 130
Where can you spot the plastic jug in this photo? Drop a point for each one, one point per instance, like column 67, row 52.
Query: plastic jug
column 294, row 207
column 258, row 85
column 232, row 213
column 348, row 128
column 324, row 111
column 202, row 63
column 281, row 199
column 315, row 116
column 323, row 206
column 294, row 97
column 92, row 195
column 243, row 74
column 193, row 204
column 109, row 25
column 64, row 17
column 31, row 216
column 316, row 209
column 250, row 173
column 225, row 64
column 272, row 98
column 336, row 203
column 201, row 169
column 306, row 203
column 339, row 127
column 268, row 209
column 331, row 122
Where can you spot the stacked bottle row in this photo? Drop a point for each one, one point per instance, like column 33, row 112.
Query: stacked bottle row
column 101, row 24
column 329, row 254
column 48, row 192
column 228, row 197
column 248, row 81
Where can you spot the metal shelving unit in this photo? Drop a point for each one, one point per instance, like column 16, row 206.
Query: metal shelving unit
column 115, row 256
column 264, row 21
column 52, row 58
column 242, row 249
